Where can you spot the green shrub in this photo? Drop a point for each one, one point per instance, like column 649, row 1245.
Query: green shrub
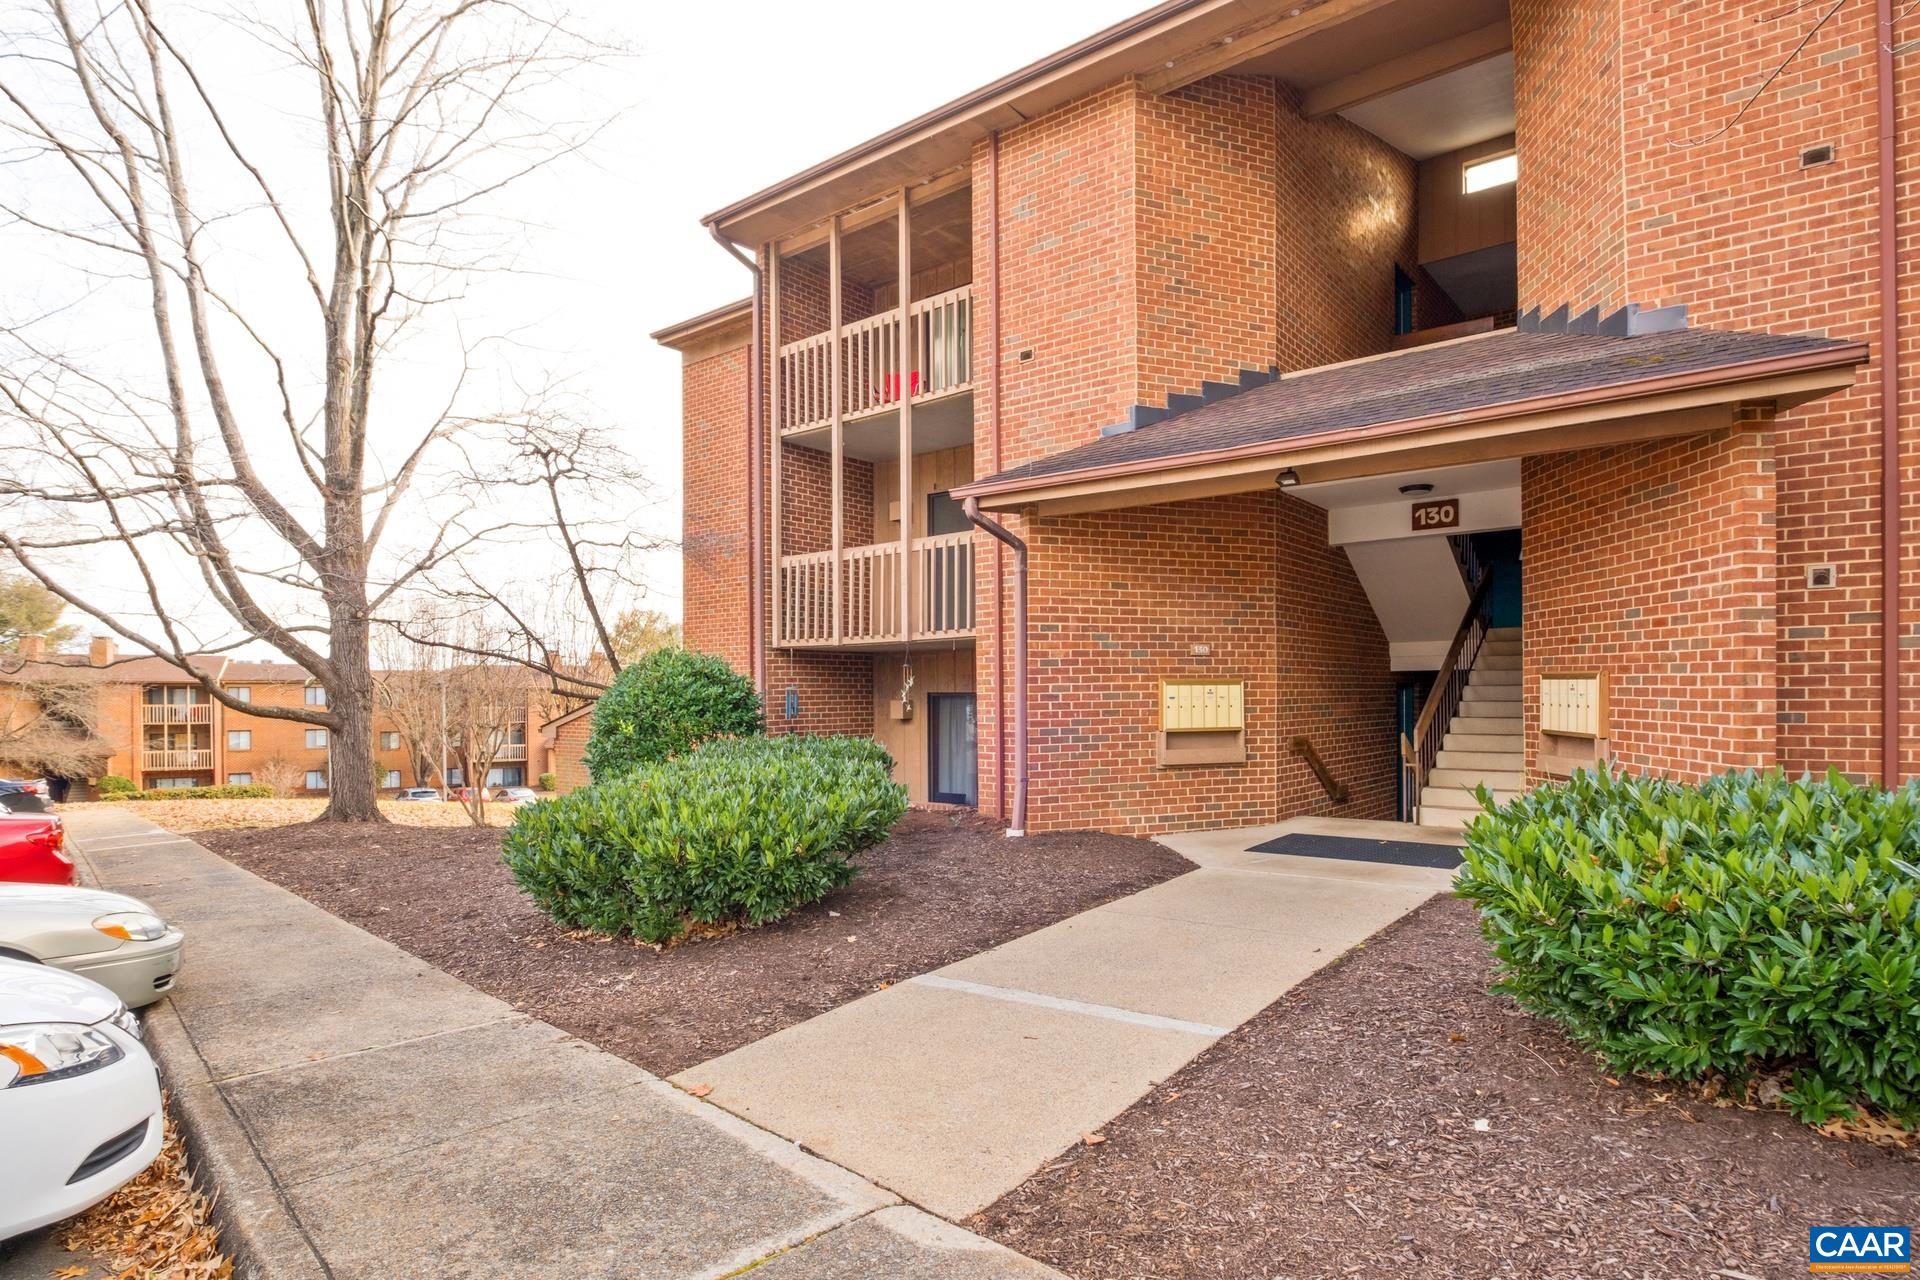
column 664, row 705
column 113, row 784
column 224, row 791
column 740, row 830
column 548, row 782
column 1746, row 923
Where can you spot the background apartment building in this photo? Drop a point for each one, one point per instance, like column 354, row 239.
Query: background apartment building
column 156, row 724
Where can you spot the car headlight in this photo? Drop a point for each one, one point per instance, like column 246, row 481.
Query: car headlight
column 132, row 926
column 124, row 1019
column 38, row 1052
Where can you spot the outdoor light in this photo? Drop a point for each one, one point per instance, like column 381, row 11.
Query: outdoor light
column 1288, row 478
column 1411, row 489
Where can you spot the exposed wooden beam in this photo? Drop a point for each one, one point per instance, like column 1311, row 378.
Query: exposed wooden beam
column 876, row 210
column 1394, row 74
column 1251, row 41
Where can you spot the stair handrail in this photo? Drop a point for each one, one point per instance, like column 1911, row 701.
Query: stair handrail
column 1419, row 752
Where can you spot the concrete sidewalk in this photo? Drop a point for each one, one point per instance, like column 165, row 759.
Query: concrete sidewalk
column 364, row 1114
column 953, row 1087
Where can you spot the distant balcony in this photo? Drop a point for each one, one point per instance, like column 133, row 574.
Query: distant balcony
column 511, row 752
column 199, row 759
column 939, row 363
column 175, row 713
column 866, row 582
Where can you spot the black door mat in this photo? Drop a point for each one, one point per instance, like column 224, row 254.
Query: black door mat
column 1402, row 853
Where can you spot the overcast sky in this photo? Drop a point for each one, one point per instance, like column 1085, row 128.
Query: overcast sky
column 709, row 103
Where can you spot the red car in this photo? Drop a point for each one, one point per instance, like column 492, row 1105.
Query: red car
column 33, row 848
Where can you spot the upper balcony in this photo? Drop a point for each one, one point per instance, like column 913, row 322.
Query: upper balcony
column 936, row 350
column 871, row 408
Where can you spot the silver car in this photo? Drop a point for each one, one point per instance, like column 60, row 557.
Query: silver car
column 119, row 942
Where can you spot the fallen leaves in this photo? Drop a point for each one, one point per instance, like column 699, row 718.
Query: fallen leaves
column 699, row 1090
column 1093, row 1139
column 156, row 1227
column 228, row 815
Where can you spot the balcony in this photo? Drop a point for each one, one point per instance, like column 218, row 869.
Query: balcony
column 175, row 713
column 865, row 585
column 186, row 759
column 939, row 359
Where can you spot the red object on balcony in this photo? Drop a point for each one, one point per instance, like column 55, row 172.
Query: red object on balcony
column 891, row 386
column 33, row 849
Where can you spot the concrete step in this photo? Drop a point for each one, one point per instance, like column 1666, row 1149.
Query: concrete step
column 1497, row 662
column 1447, row 818
column 1457, row 797
column 1485, row 675
column 1478, row 692
column 1503, row 633
column 1449, row 757
column 1513, row 647
column 1504, row 743
column 1498, row 779
column 1483, row 725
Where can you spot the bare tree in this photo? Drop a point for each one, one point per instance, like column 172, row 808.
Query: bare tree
column 49, row 722
column 486, row 709
column 285, row 776
column 245, row 468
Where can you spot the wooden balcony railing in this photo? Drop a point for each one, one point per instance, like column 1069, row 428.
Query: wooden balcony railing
column 150, row 759
column 939, row 359
column 175, row 713
column 867, row 581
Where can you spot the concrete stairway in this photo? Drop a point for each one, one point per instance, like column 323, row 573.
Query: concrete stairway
column 1484, row 743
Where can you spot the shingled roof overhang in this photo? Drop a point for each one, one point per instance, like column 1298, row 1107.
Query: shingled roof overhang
column 1505, row 394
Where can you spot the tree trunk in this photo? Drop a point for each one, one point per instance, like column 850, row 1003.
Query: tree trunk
column 353, row 788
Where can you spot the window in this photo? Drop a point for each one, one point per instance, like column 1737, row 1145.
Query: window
column 517, row 735
column 1402, row 302
column 944, row 515
column 455, row 778
column 316, row 780
column 239, row 739
column 239, row 779
column 392, row 779
column 1490, row 172
column 316, row 737
column 241, row 694
column 390, row 740
column 316, row 695
column 175, row 784
column 507, row 776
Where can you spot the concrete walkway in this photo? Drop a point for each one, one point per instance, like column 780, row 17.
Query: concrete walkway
column 953, row 1087
column 364, row 1114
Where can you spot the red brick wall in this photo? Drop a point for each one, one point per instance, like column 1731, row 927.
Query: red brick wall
column 1654, row 564
column 1746, row 237
column 1128, row 594
column 1203, row 274
column 1720, row 215
column 1567, row 95
column 570, row 754
column 715, row 555
column 1346, row 218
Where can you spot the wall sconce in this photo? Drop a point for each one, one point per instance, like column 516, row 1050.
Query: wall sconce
column 1287, row 479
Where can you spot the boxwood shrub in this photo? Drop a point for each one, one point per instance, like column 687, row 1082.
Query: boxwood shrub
column 739, row 830
column 220, row 791
column 667, row 703
column 1750, row 922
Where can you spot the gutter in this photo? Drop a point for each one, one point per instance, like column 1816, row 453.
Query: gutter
column 1890, row 495
column 1018, row 825
column 993, row 444
column 756, row 491
column 1851, row 353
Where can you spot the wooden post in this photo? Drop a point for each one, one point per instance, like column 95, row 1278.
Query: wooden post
column 834, row 376
column 770, row 276
column 907, row 567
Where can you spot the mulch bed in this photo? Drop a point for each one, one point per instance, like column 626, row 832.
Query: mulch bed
column 1334, row 1135
column 946, row 885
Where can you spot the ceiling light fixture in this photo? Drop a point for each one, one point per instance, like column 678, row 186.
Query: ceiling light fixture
column 1411, row 489
column 1287, row 479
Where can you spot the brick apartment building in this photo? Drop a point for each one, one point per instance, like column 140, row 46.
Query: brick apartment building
column 1321, row 408
column 159, row 727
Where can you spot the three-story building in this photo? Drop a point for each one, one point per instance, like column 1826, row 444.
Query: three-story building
column 1268, row 408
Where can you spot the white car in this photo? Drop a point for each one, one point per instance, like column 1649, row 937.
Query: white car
column 79, row 1097
column 119, row 942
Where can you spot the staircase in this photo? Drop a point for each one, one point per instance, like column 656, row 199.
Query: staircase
column 1483, row 745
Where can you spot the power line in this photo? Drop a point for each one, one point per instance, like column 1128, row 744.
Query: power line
column 1773, row 75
